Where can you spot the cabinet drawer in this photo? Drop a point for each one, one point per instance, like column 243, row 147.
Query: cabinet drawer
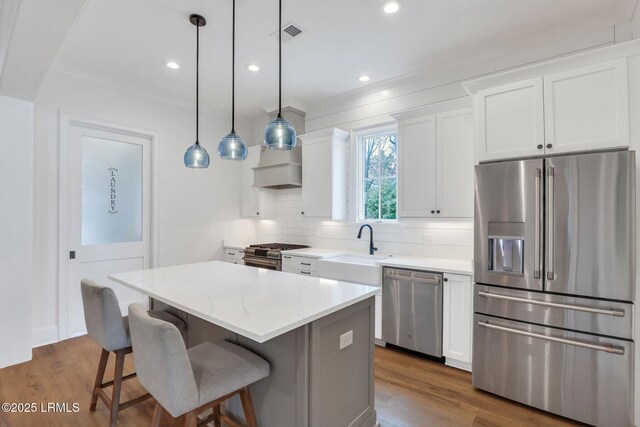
column 296, row 263
column 234, row 255
column 310, row 273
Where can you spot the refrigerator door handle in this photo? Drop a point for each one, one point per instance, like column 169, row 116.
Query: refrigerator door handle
column 537, row 249
column 550, row 222
column 605, row 348
column 608, row 311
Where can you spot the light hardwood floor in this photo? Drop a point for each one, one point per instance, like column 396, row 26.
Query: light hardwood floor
column 410, row 392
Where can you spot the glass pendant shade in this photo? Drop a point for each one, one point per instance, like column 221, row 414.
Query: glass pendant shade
column 196, row 157
column 280, row 135
column 232, row 147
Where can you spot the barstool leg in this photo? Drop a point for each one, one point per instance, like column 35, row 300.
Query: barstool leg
column 216, row 415
column 191, row 419
column 102, row 365
column 157, row 415
column 247, row 407
column 117, row 386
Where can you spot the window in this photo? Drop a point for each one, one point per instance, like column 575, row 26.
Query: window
column 377, row 174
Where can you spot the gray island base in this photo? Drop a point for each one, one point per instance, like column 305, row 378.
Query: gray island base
column 317, row 335
column 312, row 382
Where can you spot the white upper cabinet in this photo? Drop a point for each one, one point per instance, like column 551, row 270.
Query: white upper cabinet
column 581, row 109
column 417, row 167
column 587, row 108
column 324, row 162
column 255, row 202
column 435, row 165
column 510, row 120
column 455, row 163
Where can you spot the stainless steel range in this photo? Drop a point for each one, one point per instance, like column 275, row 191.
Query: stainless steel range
column 268, row 255
column 555, row 281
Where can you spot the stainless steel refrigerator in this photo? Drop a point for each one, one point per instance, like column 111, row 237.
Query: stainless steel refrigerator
column 554, row 270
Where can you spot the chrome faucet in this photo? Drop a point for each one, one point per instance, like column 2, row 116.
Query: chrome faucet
column 372, row 249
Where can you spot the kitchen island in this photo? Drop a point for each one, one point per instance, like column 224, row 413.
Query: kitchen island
column 298, row 324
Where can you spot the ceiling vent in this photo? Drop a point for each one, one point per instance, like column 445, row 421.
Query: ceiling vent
column 289, row 31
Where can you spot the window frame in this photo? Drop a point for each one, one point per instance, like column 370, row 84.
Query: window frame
column 358, row 180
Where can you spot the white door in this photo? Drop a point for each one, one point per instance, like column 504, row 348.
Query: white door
column 109, row 183
column 317, row 184
column 455, row 163
column 255, row 202
column 417, row 167
column 510, row 120
column 587, row 108
column 457, row 309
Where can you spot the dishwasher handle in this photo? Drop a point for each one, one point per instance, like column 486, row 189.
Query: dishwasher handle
column 429, row 279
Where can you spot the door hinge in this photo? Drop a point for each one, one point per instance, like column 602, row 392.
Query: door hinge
column 72, row 254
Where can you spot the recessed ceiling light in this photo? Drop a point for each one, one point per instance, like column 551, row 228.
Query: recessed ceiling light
column 253, row 67
column 173, row 65
column 364, row 78
column 392, row 6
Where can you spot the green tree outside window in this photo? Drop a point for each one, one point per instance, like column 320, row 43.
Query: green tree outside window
column 379, row 161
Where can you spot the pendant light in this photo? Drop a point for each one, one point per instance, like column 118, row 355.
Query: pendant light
column 196, row 156
column 232, row 147
column 280, row 134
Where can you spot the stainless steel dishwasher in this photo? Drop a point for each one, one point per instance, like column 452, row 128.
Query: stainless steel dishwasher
column 412, row 310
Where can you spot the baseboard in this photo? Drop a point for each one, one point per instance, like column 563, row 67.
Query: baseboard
column 44, row 335
column 457, row 364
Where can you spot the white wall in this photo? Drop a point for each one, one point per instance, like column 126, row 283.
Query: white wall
column 16, row 229
column 634, row 138
column 635, row 22
column 196, row 209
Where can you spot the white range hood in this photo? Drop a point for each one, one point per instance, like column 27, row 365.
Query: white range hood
column 281, row 168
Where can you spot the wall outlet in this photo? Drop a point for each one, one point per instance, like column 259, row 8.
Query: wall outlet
column 346, row 340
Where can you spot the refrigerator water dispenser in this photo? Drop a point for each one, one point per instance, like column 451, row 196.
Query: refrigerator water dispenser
column 506, row 254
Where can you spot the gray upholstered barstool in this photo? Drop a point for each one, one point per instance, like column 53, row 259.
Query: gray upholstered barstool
column 106, row 325
column 192, row 381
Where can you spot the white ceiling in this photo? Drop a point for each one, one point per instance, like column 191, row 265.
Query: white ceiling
column 127, row 42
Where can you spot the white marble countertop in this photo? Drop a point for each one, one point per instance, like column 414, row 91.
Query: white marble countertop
column 253, row 302
column 231, row 244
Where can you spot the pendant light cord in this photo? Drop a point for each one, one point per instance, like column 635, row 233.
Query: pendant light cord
column 233, row 70
column 197, row 80
column 280, row 60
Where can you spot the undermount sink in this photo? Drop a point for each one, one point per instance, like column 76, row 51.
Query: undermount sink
column 360, row 269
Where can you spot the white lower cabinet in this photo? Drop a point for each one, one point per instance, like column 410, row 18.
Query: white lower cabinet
column 457, row 320
column 233, row 255
column 304, row 266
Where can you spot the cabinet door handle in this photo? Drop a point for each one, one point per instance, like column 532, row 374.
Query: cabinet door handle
column 549, row 145
column 305, row 272
column 257, row 213
column 540, row 146
column 433, row 211
column 287, row 257
column 438, row 211
column 305, row 263
column 445, row 279
column 302, row 213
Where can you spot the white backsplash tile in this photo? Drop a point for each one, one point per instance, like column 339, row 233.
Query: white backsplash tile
column 438, row 238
